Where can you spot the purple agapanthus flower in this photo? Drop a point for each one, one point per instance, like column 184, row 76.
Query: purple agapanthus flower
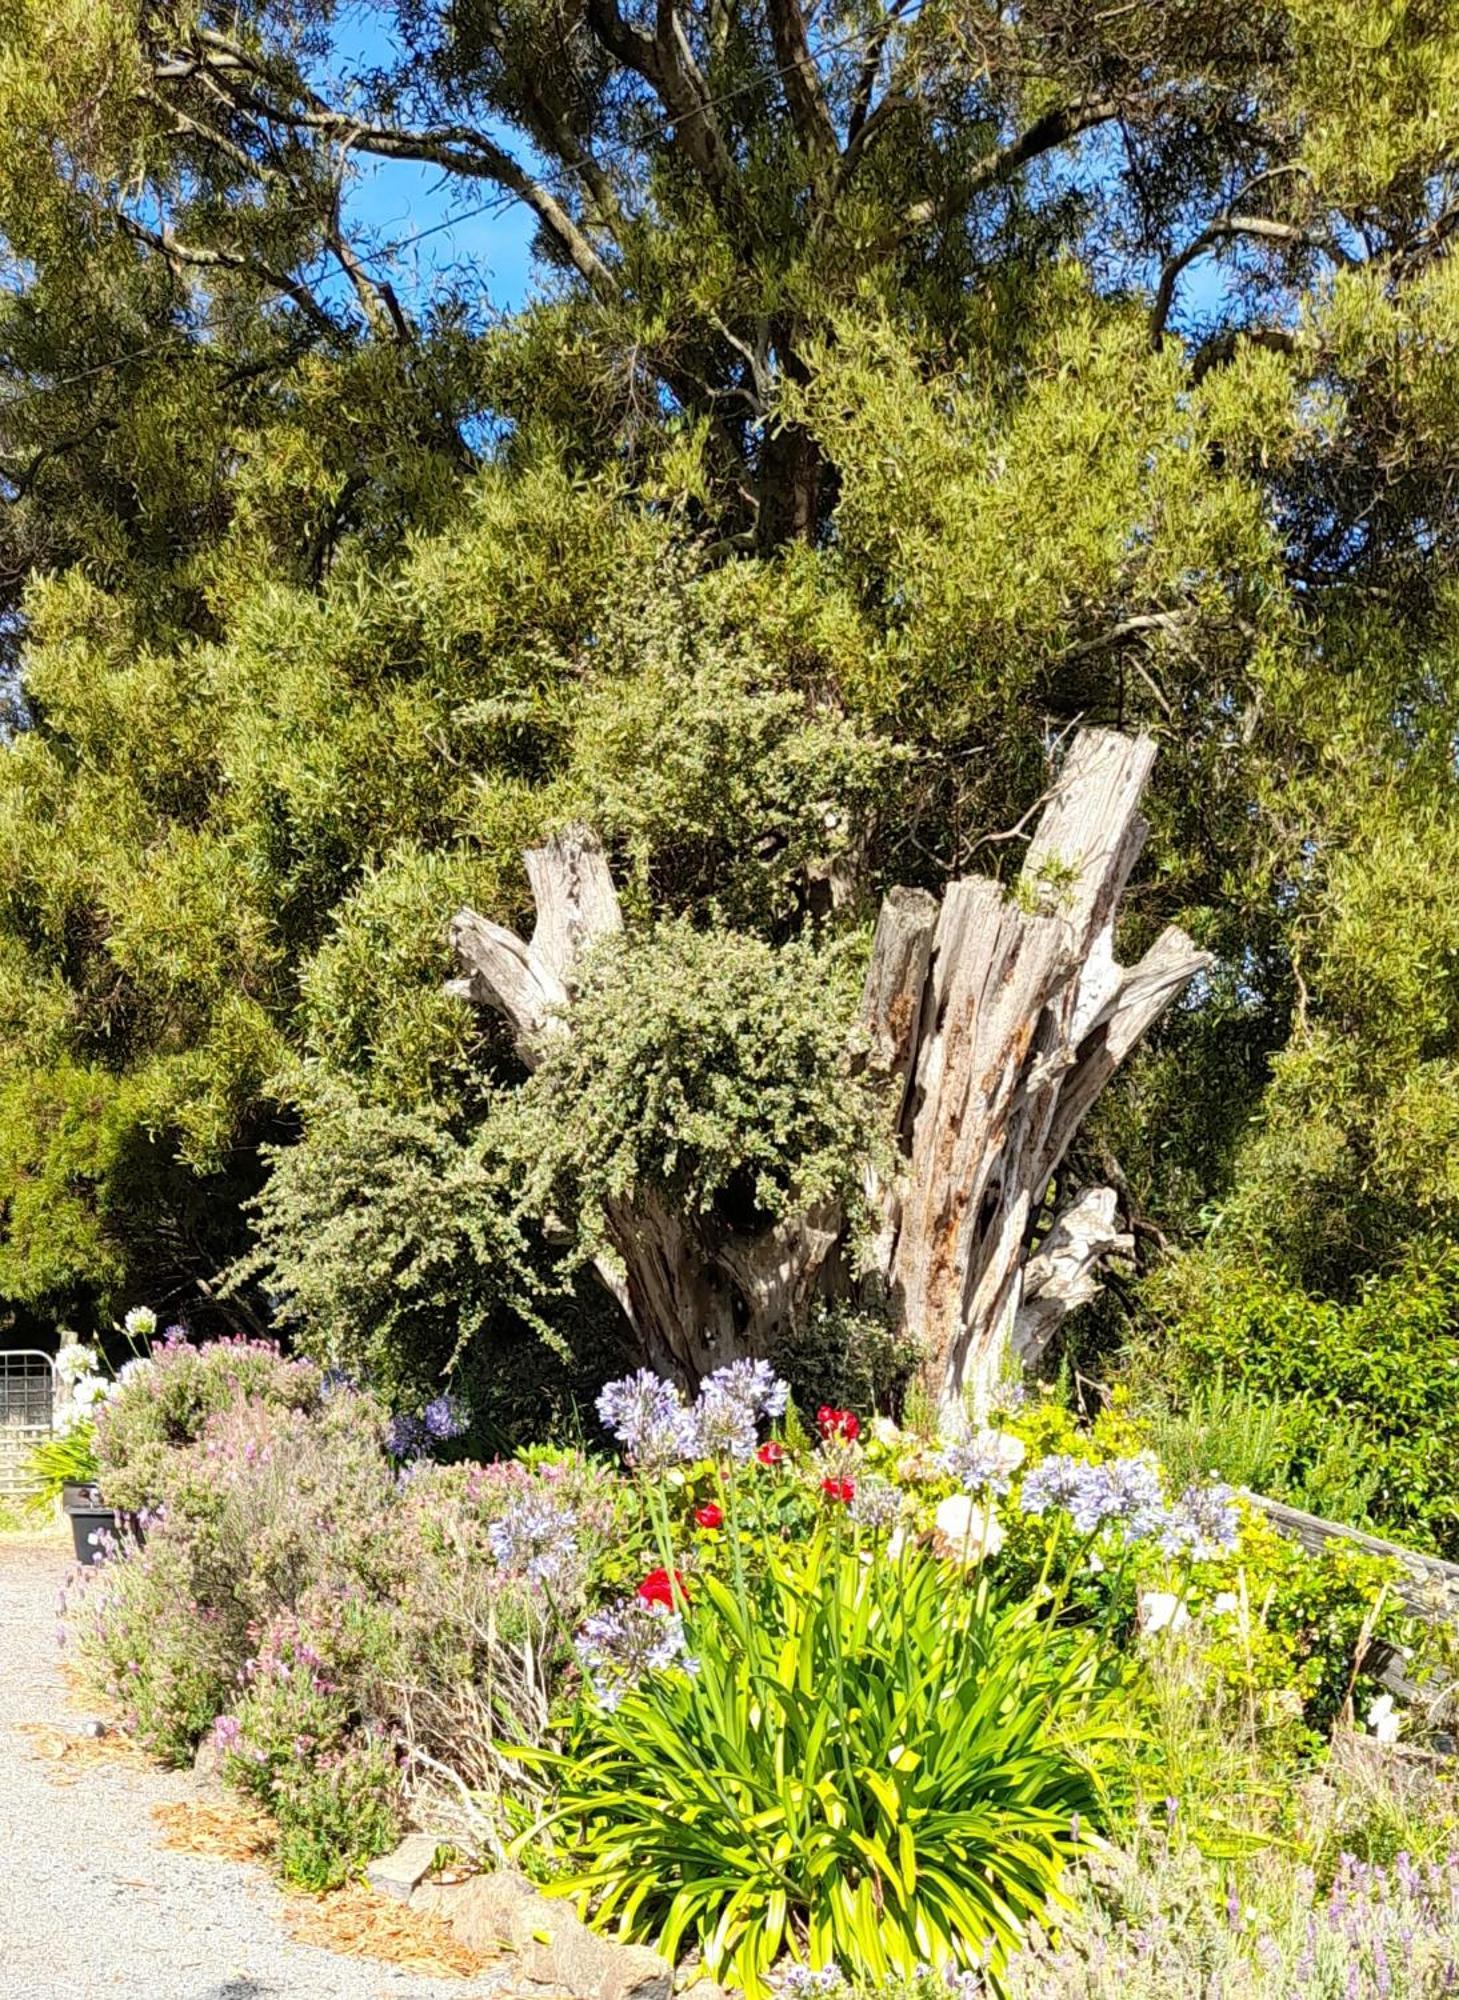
column 648, row 1417
column 1202, row 1523
column 730, row 1405
column 625, row 1641
column 1125, row 1492
column 875, row 1504
column 445, row 1418
column 978, row 1464
column 535, row 1539
column 1053, row 1483
column 405, row 1436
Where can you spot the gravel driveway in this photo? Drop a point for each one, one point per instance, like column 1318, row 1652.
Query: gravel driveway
column 90, row 1904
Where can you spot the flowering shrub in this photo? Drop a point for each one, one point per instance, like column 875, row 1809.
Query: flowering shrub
column 1164, row 1922
column 168, row 1401
column 311, row 1740
column 836, row 1743
column 356, row 1631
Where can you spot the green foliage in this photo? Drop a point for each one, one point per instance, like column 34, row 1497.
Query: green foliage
column 857, row 1770
column 67, row 1458
column 394, row 1245
column 1368, row 1388
column 706, row 1068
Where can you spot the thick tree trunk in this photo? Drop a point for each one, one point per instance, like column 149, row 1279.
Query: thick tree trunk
column 997, row 1020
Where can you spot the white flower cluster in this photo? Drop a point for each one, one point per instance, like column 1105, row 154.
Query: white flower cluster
column 80, row 1370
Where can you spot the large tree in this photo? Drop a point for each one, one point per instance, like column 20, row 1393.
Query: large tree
column 903, row 387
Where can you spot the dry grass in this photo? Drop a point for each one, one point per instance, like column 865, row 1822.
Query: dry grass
column 361, row 1924
column 229, row 1828
column 354, row 1922
column 69, row 1757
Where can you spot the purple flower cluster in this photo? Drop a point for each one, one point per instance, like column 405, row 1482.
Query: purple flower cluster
column 875, row 1504
column 409, row 1437
column 1053, row 1483
column 730, row 1405
column 1202, row 1523
column 1123, row 1492
column 535, row 1539
column 445, row 1418
column 405, row 1437
column 621, row 1644
column 649, row 1418
column 800, row 1982
column 978, row 1464
column 657, row 1429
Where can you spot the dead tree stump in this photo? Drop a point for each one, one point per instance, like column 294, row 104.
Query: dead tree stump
column 997, row 1018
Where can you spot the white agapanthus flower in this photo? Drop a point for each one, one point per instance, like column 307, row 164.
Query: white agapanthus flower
column 89, row 1391
column 74, row 1361
column 1384, row 1719
column 140, row 1323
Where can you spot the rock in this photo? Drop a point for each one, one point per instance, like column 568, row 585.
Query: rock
column 208, row 1764
column 553, row 1947
column 397, row 1873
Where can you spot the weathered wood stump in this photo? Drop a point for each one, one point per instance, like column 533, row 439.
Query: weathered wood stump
column 997, row 1018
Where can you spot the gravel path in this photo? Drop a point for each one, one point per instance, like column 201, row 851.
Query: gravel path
column 90, row 1904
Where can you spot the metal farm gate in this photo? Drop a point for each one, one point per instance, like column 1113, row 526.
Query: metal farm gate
column 27, row 1413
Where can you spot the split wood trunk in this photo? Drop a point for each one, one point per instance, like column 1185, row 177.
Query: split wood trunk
column 997, row 1018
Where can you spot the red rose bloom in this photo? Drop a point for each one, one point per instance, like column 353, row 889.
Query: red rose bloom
column 833, row 1423
column 656, row 1588
column 843, row 1490
column 709, row 1516
column 770, row 1453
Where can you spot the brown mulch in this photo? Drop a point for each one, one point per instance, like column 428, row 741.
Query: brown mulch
column 71, row 1756
column 229, row 1828
column 354, row 1921
column 361, row 1924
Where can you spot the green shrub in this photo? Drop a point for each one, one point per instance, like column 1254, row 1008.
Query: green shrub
column 1365, row 1391
column 860, row 1767
column 704, row 1066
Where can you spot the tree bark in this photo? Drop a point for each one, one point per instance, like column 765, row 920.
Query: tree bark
column 996, row 1019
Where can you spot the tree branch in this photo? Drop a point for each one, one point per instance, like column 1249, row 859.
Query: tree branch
column 203, row 258
column 809, row 111
column 1263, row 227
column 1045, row 135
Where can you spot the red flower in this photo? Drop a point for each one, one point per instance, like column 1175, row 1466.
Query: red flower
column 656, row 1588
column 709, row 1516
column 837, row 1423
column 770, row 1453
column 843, row 1490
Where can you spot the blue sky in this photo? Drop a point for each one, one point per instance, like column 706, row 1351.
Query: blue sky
column 395, row 199
column 440, row 226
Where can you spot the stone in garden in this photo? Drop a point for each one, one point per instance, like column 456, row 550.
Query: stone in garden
column 554, row 1948
column 397, row 1873
column 208, row 1763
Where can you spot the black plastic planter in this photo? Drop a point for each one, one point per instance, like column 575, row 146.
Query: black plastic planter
column 82, row 1503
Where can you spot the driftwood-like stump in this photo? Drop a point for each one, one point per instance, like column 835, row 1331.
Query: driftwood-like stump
column 997, row 1018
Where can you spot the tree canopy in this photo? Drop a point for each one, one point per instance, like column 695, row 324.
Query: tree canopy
column 900, row 386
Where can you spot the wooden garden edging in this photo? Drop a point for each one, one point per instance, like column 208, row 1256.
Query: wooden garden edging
column 1431, row 1588
column 1428, row 1587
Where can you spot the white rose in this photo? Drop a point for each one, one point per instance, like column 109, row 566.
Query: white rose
column 968, row 1529
column 1160, row 1609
